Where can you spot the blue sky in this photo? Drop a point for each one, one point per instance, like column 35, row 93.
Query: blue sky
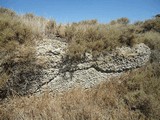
column 65, row 11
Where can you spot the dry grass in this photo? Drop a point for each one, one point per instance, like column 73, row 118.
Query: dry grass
column 50, row 28
column 39, row 23
column 134, row 96
column 152, row 25
column 98, row 104
column 97, row 38
column 17, row 52
column 152, row 39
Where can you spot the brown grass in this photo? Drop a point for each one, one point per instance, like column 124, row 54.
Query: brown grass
column 134, row 96
column 31, row 20
column 97, row 38
column 17, row 52
column 77, row 104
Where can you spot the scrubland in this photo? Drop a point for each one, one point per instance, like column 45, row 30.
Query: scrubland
column 134, row 96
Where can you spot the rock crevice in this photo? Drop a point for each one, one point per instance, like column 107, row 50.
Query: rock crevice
column 60, row 74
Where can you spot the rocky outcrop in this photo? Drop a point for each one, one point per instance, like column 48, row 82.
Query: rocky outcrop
column 61, row 74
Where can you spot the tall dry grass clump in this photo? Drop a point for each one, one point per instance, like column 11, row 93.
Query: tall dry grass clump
column 50, row 28
column 31, row 20
column 17, row 53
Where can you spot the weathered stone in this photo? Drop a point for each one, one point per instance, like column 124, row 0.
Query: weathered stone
column 62, row 75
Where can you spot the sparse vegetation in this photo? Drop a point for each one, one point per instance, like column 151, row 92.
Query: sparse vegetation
column 50, row 28
column 17, row 48
column 97, row 38
column 134, row 96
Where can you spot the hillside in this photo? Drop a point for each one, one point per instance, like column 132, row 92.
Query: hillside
column 85, row 70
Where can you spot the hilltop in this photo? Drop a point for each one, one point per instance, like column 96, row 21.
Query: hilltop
column 84, row 70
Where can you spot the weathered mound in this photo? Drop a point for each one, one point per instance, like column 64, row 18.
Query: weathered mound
column 62, row 74
column 59, row 73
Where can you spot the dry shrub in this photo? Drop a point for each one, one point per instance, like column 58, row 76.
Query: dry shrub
column 4, row 79
column 128, row 36
column 69, row 32
column 123, row 21
column 88, row 22
column 60, row 31
column 113, row 22
column 31, row 20
column 76, row 104
column 143, row 92
column 97, row 38
column 152, row 25
column 134, row 96
column 17, row 52
column 50, row 28
column 76, row 51
column 152, row 39
column 7, row 11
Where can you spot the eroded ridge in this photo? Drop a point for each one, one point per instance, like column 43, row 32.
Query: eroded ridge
column 60, row 74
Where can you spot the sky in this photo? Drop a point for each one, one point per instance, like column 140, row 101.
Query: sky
column 65, row 11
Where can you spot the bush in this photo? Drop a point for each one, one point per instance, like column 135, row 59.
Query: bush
column 127, row 36
column 152, row 39
column 7, row 12
column 69, row 32
column 60, row 31
column 50, row 28
column 113, row 22
column 31, row 20
column 88, row 22
column 17, row 49
column 123, row 21
column 98, row 38
column 29, row 16
column 152, row 25
column 13, row 30
column 143, row 91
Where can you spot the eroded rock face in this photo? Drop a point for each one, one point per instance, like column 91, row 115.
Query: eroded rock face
column 60, row 74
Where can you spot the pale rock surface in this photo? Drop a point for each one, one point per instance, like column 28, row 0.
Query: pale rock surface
column 60, row 74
